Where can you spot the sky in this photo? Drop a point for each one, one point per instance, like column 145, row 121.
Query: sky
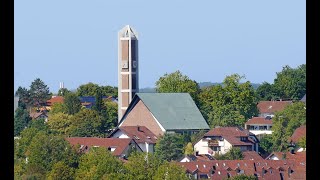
column 75, row 41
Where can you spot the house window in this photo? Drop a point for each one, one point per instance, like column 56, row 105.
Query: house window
column 216, row 148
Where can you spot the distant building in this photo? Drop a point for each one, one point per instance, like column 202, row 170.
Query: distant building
column 164, row 112
column 221, row 139
column 268, row 108
column 142, row 135
column 259, row 125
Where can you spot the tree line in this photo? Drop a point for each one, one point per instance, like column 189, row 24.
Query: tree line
column 42, row 151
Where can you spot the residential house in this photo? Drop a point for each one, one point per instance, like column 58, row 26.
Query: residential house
column 164, row 113
column 119, row 147
column 297, row 135
column 189, row 158
column 39, row 115
column 259, row 125
column 51, row 101
column 296, row 156
column 268, row 108
column 141, row 134
column 262, row 169
column 221, row 139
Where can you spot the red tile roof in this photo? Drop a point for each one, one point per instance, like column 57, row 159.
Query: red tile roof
column 299, row 157
column 56, row 99
column 227, row 131
column 35, row 115
column 259, row 120
column 236, row 141
column 119, row 144
column 265, row 169
column 251, row 155
column 272, row 106
column 298, row 134
column 232, row 135
column 140, row 134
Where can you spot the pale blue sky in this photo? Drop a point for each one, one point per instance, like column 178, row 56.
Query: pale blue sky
column 75, row 41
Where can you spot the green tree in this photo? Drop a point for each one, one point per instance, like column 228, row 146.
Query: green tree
column 87, row 123
column 169, row 147
column 232, row 102
column 24, row 97
column 60, row 123
column 98, row 100
column 97, row 163
column 23, row 143
column 61, row 171
column 197, row 136
column 72, row 103
column 302, row 142
column 266, row 92
column 285, row 122
column 34, row 172
column 63, row 92
column 110, row 113
column 205, row 98
column 266, row 144
column 189, row 149
column 176, row 82
column 233, row 154
column 88, row 89
column 170, row 171
column 21, row 120
column 244, row 177
column 39, row 124
column 291, row 82
column 58, row 108
column 109, row 91
column 142, row 166
column 39, row 92
column 46, row 149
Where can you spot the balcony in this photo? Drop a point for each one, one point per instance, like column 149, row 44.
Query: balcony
column 213, row 142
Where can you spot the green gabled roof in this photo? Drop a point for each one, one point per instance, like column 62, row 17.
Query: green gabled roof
column 174, row 110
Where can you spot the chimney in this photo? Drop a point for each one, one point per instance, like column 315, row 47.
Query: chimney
column 139, row 128
column 61, row 85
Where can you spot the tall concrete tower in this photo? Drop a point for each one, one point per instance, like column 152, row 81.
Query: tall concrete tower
column 128, row 69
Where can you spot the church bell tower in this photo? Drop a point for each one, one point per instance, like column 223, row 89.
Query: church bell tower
column 128, row 69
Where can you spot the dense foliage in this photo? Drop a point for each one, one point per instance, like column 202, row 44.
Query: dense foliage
column 177, row 82
column 169, row 147
column 233, row 154
column 229, row 104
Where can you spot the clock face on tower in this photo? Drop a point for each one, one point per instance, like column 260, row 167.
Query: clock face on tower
column 124, row 65
column 134, row 64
